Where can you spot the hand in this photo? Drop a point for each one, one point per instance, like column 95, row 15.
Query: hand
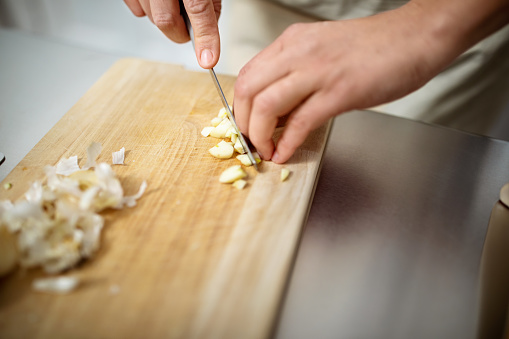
column 203, row 14
column 316, row 71
column 313, row 72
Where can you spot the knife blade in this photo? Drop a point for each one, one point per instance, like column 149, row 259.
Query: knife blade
column 220, row 92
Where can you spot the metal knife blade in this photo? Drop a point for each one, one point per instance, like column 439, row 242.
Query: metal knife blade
column 220, row 92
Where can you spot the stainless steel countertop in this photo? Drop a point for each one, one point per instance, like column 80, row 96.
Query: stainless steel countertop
column 394, row 237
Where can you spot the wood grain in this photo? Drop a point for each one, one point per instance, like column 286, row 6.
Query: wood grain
column 195, row 258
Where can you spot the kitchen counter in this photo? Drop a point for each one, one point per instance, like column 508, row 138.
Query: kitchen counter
column 393, row 242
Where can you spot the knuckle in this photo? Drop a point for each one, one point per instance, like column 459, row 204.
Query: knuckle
column 196, row 7
column 293, row 30
column 164, row 21
column 217, row 7
column 300, row 124
column 264, row 103
column 242, row 90
column 243, row 71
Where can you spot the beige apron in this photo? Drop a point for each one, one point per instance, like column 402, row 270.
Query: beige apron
column 471, row 95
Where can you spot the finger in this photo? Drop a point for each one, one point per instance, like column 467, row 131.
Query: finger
column 313, row 113
column 166, row 16
column 135, row 7
column 145, row 5
column 274, row 102
column 254, row 78
column 202, row 16
column 217, row 8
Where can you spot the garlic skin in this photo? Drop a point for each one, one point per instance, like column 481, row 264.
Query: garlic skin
column 56, row 285
column 118, row 157
column 58, row 224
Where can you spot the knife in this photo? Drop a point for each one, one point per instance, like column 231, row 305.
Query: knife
column 220, row 91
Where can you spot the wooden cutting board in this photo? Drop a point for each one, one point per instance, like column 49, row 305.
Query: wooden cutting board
column 195, row 258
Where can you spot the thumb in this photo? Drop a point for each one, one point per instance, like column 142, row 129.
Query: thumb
column 203, row 17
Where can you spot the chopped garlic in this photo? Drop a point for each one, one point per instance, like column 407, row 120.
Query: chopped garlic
column 223, row 150
column 244, row 159
column 224, row 129
column 231, row 131
column 239, row 184
column 59, row 285
column 216, row 121
column 284, row 174
column 118, row 157
column 206, row 131
column 232, row 174
column 257, row 157
column 238, row 147
column 234, row 138
column 222, row 113
column 220, row 130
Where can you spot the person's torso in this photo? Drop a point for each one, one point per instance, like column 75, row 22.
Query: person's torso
column 341, row 9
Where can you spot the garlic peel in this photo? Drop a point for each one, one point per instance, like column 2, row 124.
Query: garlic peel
column 57, row 224
column 118, row 157
column 67, row 166
column 93, row 152
column 59, row 285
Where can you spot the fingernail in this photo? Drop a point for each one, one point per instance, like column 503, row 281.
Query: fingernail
column 206, row 57
column 275, row 157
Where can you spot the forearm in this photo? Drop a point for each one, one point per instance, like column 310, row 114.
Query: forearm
column 451, row 27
